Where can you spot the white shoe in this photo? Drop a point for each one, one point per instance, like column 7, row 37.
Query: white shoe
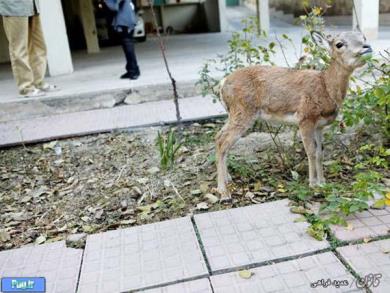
column 48, row 87
column 34, row 93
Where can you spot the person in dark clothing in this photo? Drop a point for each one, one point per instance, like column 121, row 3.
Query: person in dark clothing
column 124, row 22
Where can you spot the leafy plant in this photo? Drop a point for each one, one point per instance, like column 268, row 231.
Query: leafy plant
column 339, row 200
column 385, row 201
column 367, row 104
column 241, row 167
column 370, row 105
column 245, row 49
column 168, row 147
column 315, row 57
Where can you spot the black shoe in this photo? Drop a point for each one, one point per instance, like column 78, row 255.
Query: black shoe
column 134, row 77
column 125, row 76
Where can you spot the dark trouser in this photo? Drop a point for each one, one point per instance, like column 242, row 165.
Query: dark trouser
column 128, row 49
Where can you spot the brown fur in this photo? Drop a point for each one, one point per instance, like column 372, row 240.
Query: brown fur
column 309, row 98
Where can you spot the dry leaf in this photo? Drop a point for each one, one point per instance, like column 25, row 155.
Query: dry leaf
column 298, row 210
column 49, row 145
column 281, row 188
column 366, row 240
column 196, row 192
column 300, row 219
column 211, row 198
column 245, row 274
column 386, row 250
column 41, row 239
column 249, row 195
column 128, row 222
column 4, row 236
column 257, row 186
column 202, row 206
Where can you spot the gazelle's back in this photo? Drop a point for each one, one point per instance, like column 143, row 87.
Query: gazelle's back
column 271, row 89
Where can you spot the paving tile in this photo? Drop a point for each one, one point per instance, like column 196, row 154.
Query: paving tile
column 94, row 121
column 197, row 286
column 290, row 276
column 253, row 234
column 143, row 256
column 57, row 263
column 370, row 258
column 370, row 223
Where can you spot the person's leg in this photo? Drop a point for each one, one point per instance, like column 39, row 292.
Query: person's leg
column 128, row 48
column 37, row 51
column 16, row 30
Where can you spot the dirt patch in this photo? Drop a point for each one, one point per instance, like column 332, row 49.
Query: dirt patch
column 103, row 182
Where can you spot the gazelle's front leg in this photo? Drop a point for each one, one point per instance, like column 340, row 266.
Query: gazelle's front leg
column 225, row 139
column 318, row 136
column 307, row 131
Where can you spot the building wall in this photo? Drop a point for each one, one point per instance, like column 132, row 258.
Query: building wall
column 212, row 17
column 187, row 18
column 340, row 7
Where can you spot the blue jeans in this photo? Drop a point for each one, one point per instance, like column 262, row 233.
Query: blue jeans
column 128, row 48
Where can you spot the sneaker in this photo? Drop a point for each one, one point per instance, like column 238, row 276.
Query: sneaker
column 48, row 87
column 33, row 93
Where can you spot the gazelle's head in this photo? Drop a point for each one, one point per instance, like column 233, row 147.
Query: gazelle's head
column 347, row 48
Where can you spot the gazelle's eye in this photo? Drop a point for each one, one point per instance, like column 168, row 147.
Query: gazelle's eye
column 339, row 45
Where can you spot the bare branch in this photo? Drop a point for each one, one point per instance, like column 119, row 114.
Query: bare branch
column 173, row 81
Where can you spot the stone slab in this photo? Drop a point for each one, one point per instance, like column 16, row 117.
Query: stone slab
column 57, row 263
column 299, row 275
column 370, row 258
column 141, row 257
column 253, row 234
column 196, row 286
column 95, row 121
column 367, row 224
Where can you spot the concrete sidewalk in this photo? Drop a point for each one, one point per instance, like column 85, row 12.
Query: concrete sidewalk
column 52, row 127
column 95, row 84
column 206, row 252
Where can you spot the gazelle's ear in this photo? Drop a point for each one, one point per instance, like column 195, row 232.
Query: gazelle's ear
column 321, row 40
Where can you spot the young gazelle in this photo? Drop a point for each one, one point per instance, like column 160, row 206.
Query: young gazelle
column 309, row 98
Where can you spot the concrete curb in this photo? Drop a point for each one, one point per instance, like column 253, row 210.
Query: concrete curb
column 20, row 109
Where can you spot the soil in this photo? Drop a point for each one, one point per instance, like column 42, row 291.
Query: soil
column 101, row 182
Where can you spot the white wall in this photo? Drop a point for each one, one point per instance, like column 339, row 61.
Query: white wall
column 222, row 16
column 179, row 17
column 367, row 16
column 54, row 30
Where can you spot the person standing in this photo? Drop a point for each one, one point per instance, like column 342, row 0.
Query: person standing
column 27, row 47
column 124, row 22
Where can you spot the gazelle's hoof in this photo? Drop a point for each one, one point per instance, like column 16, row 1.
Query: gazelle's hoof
column 321, row 181
column 225, row 195
column 317, row 184
column 225, row 200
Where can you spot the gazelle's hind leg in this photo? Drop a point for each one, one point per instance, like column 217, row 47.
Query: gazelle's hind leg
column 319, row 156
column 225, row 139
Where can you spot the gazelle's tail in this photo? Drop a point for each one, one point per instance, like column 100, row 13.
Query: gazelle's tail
column 218, row 89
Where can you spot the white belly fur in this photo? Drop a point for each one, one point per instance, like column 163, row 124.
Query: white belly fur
column 287, row 118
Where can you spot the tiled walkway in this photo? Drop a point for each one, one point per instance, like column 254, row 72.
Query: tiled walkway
column 205, row 253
